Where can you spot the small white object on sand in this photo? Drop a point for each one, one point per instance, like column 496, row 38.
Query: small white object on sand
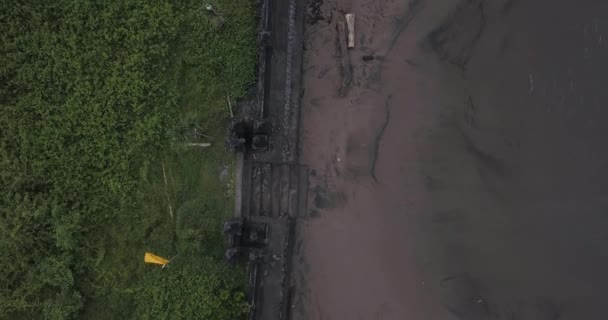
column 350, row 22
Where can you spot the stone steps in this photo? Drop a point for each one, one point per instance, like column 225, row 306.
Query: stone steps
column 274, row 190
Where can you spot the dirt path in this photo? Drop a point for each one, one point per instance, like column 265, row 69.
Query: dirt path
column 464, row 174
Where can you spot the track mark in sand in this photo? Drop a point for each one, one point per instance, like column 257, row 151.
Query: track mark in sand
column 324, row 199
column 462, row 297
column 470, row 114
column 412, row 63
column 540, row 308
column 507, row 6
column 414, row 7
column 485, row 158
column 379, row 136
column 455, row 39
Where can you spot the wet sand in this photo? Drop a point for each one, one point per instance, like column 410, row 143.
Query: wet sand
column 464, row 175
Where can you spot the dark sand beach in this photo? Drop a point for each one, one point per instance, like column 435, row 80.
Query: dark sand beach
column 464, row 175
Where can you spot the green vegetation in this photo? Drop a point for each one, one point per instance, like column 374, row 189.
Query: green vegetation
column 98, row 100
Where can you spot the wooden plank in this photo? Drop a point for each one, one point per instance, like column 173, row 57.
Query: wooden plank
column 345, row 66
column 284, row 194
column 350, row 21
column 275, row 191
column 293, row 203
column 303, row 192
column 246, row 189
column 256, row 190
column 293, row 190
column 266, row 193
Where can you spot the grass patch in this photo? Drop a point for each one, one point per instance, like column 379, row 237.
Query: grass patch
column 99, row 101
column 200, row 200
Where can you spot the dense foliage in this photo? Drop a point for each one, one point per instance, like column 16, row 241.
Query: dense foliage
column 186, row 295
column 91, row 94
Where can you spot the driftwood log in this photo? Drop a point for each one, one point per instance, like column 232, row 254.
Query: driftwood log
column 350, row 22
column 345, row 67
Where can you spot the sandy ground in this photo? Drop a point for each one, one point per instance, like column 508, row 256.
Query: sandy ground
column 464, row 175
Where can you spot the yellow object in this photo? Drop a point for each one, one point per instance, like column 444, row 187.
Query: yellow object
column 154, row 259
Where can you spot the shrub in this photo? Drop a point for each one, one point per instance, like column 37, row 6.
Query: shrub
column 88, row 93
column 179, row 292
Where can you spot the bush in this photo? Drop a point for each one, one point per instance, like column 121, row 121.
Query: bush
column 177, row 292
column 199, row 219
column 89, row 91
column 198, row 225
